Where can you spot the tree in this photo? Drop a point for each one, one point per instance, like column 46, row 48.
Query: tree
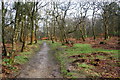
column 16, row 25
column 113, row 19
column 32, row 21
column 4, row 51
column 93, row 19
column 64, row 9
column 110, row 17
column 82, row 15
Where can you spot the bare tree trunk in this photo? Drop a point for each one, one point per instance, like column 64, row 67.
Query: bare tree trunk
column 36, row 34
column 61, row 36
column 46, row 25
column 3, row 32
column 83, row 38
column 106, row 31
column 93, row 30
column 106, row 26
column 24, row 25
column 23, row 45
column 32, row 30
column 54, row 30
column 23, row 37
column 55, row 34
column 15, row 34
column 21, row 34
column 36, row 21
column 93, row 20
column 51, row 38
column 84, row 29
column 24, row 42
column 32, row 23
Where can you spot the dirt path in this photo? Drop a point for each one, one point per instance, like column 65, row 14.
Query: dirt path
column 42, row 65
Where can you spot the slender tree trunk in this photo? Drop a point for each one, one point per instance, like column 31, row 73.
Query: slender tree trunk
column 83, row 38
column 14, row 37
column 65, row 37
column 23, row 45
column 93, row 23
column 105, row 19
column 47, row 35
column 51, row 38
column 21, row 34
column 47, row 32
column 84, row 29
column 24, row 34
column 106, row 27
column 32, row 23
column 15, row 34
column 55, row 34
column 106, row 31
column 32, row 30
column 36, row 34
column 93, row 30
column 54, row 31
column 61, row 36
column 3, row 32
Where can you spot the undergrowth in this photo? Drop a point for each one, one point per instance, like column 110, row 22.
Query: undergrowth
column 64, row 52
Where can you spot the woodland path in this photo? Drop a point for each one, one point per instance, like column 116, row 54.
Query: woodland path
column 42, row 65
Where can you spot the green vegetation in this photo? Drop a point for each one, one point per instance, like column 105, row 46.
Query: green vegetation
column 63, row 54
column 66, row 23
column 86, row 48
column 84, row 65
column 24, row 56
column 21, row 57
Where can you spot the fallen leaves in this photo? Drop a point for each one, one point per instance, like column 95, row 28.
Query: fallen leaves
column 106, row 68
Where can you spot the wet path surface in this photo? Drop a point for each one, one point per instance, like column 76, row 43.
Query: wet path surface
column 42, row 65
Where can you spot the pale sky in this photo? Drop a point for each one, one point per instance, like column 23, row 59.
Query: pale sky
column 60, row 0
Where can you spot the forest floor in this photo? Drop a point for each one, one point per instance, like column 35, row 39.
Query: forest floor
column 89, row 59
column 85, row 59
column 42, row 65
column 36, row 62
column 11, row 66
column 112, row 43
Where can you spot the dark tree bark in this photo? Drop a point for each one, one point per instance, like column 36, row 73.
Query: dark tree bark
column 35, row 34
column 106, row 31
column 4, row 51
column 32, row 30
column 105, row 19
column 32, row 23
column 15, row 33
column 23, row 37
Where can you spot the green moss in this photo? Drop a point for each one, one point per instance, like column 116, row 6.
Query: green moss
column 86, row 48
column 84, row 65
column 21, row 59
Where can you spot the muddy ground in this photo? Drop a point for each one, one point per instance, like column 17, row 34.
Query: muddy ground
column 42, row 65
